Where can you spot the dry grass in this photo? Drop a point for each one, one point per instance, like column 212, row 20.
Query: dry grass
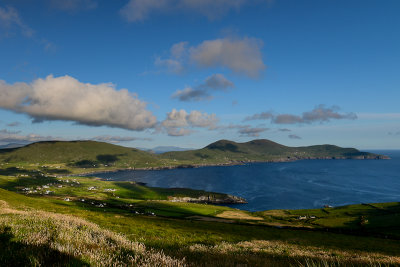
column 209, row 219
column 73, row 238
column 238, row 215
column 51, row 239
column 279, row 253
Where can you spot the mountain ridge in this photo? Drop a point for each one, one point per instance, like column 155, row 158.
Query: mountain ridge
column 94, row 155
column 267, row 150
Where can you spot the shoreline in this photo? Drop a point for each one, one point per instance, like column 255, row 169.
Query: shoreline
column 226, row 164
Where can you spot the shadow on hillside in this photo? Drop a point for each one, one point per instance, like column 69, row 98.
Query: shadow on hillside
column 13, row 171
column 85, row 164
column 139, row 190
column 8, row 150
column 135, row 191
column 102, row 159
column 55, row 171
column 14, row 253
column 22, row 182
column 107, row 159
column 202, row 155
column 224, row 147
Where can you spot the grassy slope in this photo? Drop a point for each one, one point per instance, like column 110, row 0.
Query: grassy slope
column 33, row 237
column 79, row 154
column 212, row 243
column 113, row 193
column 381, row 219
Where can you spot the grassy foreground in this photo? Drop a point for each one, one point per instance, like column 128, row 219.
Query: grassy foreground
column 127, row 224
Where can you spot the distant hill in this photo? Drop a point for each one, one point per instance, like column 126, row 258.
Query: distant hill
column 79, row 153
column 92, row 154
column 266, row 150
column 163, row 149
column 12, row 145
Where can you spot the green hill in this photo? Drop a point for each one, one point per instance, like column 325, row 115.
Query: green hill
column 265, row 150
column 85, row 154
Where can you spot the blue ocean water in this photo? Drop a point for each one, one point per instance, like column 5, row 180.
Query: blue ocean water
column 286, row 185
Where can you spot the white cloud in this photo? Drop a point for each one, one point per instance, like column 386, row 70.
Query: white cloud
column 15, row 137
column 199, row 119
column 260, row 116
column 170, row 65
column 10, row 18
column 139, row 10
column 243, row 129
column 178, row 122
column 176, row 118
column 242, row 56
column 251, row 131
column 216, row 82
column 179, row 50
column 174, row 64
column 11, row 22
column 192, row 94
column 320, row 114
column 65, row 98
column 287, row 119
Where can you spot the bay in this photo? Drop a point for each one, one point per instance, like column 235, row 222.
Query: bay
column 286, row 185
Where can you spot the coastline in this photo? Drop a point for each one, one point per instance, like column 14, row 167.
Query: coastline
column 224, row 164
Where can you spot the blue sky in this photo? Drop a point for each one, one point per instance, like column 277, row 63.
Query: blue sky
column 146, row 73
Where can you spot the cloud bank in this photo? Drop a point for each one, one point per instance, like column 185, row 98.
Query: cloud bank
column 320, row 114
column 241, row 56
column 216, row 82
column 65, row 98
column 15, row 137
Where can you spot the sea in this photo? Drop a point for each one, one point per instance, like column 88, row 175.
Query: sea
column 303, row 184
